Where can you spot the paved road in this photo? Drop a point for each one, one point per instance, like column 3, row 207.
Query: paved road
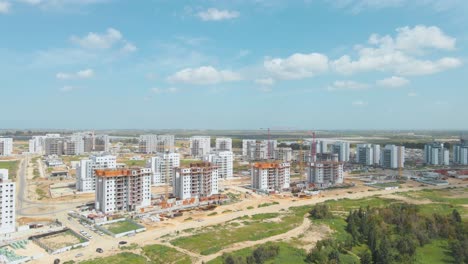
column 24, row 206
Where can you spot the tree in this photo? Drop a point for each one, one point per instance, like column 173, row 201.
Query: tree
column 321, row 211
column 366, row 257
column 456, row 216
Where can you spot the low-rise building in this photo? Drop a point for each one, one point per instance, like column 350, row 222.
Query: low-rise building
column 123, row 189
column 270, row 176
column 199, row 180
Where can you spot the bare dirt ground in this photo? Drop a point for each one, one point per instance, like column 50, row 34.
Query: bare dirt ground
column 60, row 240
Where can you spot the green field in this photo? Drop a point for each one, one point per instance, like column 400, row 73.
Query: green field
column 11, row 166
column 433, row 253
column 136, row 163
column 121, row 227
column 212, row 239
column 159, row 254
column 121, row 258
column 287, row 254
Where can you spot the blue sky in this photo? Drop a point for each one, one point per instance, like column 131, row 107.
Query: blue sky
column 239, row 64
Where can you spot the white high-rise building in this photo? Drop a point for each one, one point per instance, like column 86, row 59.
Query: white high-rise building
column 436, row 154
column 223, row 144
column 268, row 148
column 248, row 148
column 376, row 150
column 36, row 145
column 200, row 146
column 283, row 154
column 200, row 180
column 342, row 149
column 85, row 171
column 325, row 174
column 365, row 154
column 270, row 176
column 6, row 146
column 156, row 143
column 123, row 189
column 393, row 157
column 7, row 203
column 460, row 154
column 163, row 166
column 224, row 161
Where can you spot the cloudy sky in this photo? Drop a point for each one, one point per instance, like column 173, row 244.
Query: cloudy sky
column 234, row 64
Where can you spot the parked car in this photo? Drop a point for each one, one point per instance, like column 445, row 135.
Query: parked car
column 122, row 242
column 99, row 250
column 78, row 255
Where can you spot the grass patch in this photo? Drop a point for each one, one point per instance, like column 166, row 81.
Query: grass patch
column 267, row 204
column 41, row 193
column 11, row 166
column 160, row 254
column 121, row 227
column 132, row 246
column 250, row 207
column 213, row 213
column 435, row 252
column 137, row 163
column 226, row 211
column 186, row 162
column 121, row 258
column 212, row 240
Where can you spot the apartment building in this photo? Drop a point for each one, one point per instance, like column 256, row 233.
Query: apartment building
column 223, row 144
column 368, row 154
column 284, row 154
column 6, row 146
column 436, row 154
column 224, row 161
column 342, row 149
column 392, row 157
column 248, row 148
column 271, row 176
column 460, row 154
column 156, row 143
column 7, row 203
column 199, row 180
column 259, row 150
column 162, row 166
column 200, row 146
column 36, row 145
column 324, row 174
column 53, row 145
column 85, row 171
column 122, row 189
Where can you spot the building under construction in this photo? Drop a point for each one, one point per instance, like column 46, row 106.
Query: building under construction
column 324, row 174
column 123, row 189
column 199, row 180
column 271, row 176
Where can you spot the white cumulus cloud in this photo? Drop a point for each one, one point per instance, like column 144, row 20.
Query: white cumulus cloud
column 347, row 85
column 204, row 75
column 98, row 41
column 4, row 7
column 265, row 81
column 297, row 66
column 401, row 54
column 393, row 81
column 213, row 14
column 83, row 74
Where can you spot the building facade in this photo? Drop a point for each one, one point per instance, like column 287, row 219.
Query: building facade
column 163, row 166
column 7, row 203
column 200, row 146
column 342, row 149
column 392, row 157
column 224, row 160
column 85, row 171
column 199, row 180
column 6, row 146
column 284, row 154
column 436, row 154
column 324, row 174
column 460, row 154
column 271, row 176
column 223, row 144
column 123, row 189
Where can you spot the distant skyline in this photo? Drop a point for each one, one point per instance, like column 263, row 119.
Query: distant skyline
column 239, row 64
